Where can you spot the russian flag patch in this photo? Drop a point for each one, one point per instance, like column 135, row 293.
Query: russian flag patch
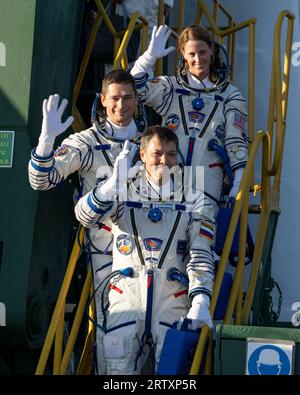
column 207, row 230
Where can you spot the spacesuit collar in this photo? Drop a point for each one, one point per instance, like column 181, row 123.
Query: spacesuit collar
column 145, row 190
column 194, row 82
column 195, row 86
column 161, row 189
column 119, row 134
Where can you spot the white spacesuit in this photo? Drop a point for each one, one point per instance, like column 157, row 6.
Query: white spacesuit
column 197, row 111
column 92, row 153
column 150, row 238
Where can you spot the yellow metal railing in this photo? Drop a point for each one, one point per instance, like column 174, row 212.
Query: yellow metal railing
column 56, row 327
column 239, row 208
column 227, row 32
column 55, row 335
column 120, row 56
column 269, row 193
column 277, row 113
column 269, row 197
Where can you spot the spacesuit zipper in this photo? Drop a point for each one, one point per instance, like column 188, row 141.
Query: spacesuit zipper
column 108, row 161
column 135, row 235
column 209, row 119
column 161, row 261
column 186, row 131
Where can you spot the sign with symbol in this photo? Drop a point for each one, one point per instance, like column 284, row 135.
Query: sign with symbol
column 269, row 356
column 6, row 148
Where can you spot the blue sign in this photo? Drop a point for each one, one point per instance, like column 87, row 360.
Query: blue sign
column 269, row 360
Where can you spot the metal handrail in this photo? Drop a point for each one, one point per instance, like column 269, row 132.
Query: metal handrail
column 269, row 193
column 119, row 50
column 280, row 87
column 261, row 137
column 55, row 332
column 121, row 57
column 60, row 306
column 221, row 33
column 56, row 327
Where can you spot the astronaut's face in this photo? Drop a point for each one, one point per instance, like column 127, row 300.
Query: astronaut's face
column 198, row 55
column 120, row 101
column 159, row 157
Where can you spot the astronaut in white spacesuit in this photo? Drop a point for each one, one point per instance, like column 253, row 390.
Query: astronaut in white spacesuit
column 156, row 229
column 91, row 152
column 199, row 104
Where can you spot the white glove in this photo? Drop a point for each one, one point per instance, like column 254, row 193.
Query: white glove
column 158, row 42
column 117, row 183
column 156, row 50
column 238, row 174
column 133, row 170
column 52, row 126
column 199, row 312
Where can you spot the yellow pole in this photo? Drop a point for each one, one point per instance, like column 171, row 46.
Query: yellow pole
column 199, row 351
column 215, row 15
column 58, row 345
column 77, row 321
column 86, row 57
column 181, row 5
column 262, row 228
column 160, row 21
column 60, row 304
column 239, row 275
column 251, row 87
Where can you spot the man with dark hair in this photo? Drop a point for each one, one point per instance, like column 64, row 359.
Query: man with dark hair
column 156, row 231
column 91, row 152
column 118, row 76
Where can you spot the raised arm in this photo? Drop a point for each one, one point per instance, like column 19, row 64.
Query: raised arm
column 201, row 266
column 107, row 199
column 158, row 92
column 46, row 170
column 236, row 140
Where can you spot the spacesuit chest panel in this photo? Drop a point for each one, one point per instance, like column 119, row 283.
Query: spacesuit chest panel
column 139, row 242
column 200, row 125
column 104, row 155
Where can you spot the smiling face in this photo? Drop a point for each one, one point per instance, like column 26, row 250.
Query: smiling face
column 198, row 56
column 159, row 156
column 119, row 101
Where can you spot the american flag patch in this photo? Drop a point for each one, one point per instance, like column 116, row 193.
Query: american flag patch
column 207, row 230
column 239, row 121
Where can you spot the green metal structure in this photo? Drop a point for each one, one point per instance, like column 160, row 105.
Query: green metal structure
column 230, row 354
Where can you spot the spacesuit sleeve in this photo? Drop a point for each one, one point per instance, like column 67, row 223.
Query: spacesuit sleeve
column 90, row 209
column 75, row 153
column 157, row 92
column 236, row 141
column 201, row 266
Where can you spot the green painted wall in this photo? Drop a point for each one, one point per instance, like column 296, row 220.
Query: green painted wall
column 41, row 38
